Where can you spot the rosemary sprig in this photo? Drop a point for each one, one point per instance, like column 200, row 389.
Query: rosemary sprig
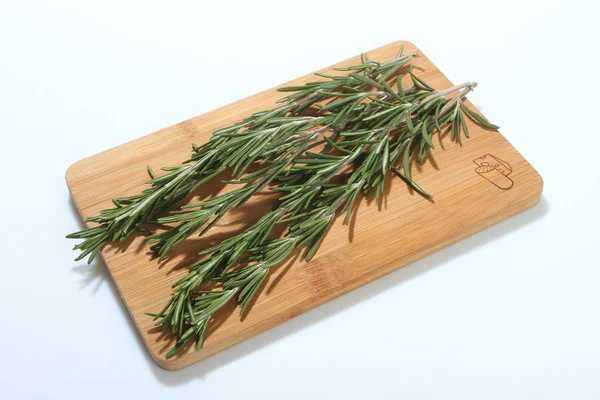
column 236, row 146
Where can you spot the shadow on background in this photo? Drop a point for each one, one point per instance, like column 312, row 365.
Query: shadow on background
column 97, row 272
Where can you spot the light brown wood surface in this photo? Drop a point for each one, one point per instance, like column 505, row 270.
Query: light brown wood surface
column 382, row 238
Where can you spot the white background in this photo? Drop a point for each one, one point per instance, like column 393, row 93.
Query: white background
column 512, row 312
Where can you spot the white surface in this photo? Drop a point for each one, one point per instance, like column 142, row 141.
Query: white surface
column 512, row 312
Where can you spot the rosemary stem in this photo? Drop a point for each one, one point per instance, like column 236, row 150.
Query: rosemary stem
column 445, row 92
column 448, row 106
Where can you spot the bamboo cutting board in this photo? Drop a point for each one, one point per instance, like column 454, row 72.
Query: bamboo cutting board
column 476, row 185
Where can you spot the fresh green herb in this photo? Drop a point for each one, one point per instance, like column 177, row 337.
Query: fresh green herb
column 327, row 145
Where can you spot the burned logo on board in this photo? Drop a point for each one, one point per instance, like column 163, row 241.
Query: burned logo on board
column 495, row 171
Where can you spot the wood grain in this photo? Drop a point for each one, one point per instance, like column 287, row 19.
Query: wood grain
column 469, row 196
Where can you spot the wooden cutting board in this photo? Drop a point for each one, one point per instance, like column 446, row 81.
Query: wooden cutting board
column 476, row 185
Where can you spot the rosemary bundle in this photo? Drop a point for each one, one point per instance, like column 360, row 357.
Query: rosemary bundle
column 364, row 123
